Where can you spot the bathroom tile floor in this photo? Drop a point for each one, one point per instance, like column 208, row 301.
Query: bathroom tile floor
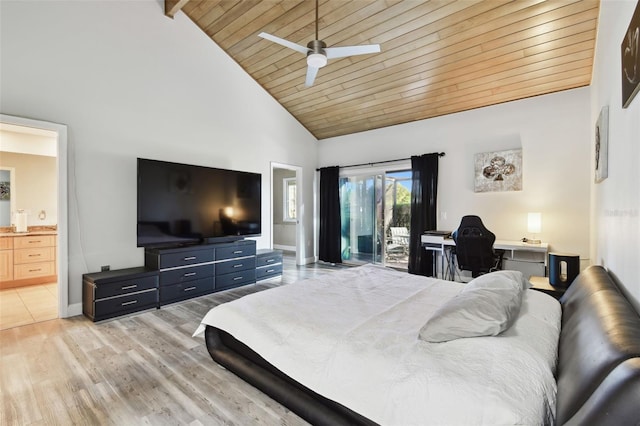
column 28, row 305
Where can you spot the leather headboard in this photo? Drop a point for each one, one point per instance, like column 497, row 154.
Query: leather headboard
column 599, row 354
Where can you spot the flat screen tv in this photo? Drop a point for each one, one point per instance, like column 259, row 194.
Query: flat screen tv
column 181, row 204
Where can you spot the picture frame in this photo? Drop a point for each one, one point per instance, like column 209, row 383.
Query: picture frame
column 498, row 171
column 602, row 145
column 5, row 191
column 630, row 59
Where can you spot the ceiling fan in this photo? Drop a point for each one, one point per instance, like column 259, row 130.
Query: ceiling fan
column 318, row 53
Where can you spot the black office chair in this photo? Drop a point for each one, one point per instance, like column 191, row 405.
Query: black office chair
column 474, row 247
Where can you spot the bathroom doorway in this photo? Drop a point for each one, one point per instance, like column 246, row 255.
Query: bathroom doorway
column 38, row 287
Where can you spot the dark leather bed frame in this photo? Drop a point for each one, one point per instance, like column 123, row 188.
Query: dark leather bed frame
column 598, row 365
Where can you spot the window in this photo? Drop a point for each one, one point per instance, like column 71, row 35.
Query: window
column 289, row 197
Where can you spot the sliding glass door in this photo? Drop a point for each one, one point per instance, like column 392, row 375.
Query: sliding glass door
column 361, row 215
column 375, row 218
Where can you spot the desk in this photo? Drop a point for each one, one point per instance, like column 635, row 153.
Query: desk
column 530, row 259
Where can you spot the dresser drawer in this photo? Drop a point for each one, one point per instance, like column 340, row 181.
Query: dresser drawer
column 266, row 260
column 186, row 290
column 32, row 255
column 185, row 258
column 240, row 250
column 191, row 273
column 30, row 241
column 238, row 278
column 33, row 270
column 125, row 304
column 235, row 265
column 268, row 272
column 124, row 287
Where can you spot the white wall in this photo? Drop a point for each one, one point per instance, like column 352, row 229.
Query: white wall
column 553, row 132
column 616, row 201
column 129, row 82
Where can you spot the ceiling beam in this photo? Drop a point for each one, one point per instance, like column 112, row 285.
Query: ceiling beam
column 171, row 7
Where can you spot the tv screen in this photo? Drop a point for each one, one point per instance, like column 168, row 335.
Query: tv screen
column 185, row 204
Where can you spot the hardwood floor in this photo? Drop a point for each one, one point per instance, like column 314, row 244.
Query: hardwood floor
column 141, row 369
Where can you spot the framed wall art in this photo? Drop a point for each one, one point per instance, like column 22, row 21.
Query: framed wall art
column 498, row 171
column 602, row 145
column 630, row 55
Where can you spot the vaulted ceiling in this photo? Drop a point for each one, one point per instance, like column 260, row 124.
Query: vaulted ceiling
column 438, row 57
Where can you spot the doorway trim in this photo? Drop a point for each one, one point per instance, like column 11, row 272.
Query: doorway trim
column 63, row 234
column 300, row 260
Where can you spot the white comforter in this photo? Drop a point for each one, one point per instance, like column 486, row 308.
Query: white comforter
column 355, row 341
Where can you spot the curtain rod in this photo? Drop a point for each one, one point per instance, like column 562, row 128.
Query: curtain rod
column 440, row 154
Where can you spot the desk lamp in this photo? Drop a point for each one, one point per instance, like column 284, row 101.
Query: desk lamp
column 534, row 226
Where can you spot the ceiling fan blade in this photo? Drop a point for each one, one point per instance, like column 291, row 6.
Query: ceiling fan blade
column 285, row 43
column 311, row 76
column 341, row 52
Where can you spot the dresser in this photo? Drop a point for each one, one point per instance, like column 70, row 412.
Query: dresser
column 268, row 264
column 27, row 259
column 169, row 275
column 119, row 292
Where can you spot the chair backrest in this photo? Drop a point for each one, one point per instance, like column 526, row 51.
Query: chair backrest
column 399, row 234
column 474, row 245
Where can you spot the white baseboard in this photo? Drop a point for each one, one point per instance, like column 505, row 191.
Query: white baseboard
column 308, row 260
column 74, row 310
column 284, row 247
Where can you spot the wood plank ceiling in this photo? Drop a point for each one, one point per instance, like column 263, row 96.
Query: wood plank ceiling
column 438, row 57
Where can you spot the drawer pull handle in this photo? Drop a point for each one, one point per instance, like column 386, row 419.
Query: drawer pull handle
column 270, row 260
column 238, row 252
column 239, row 265
column 270, row 270
column 129, row 303
column 189, row 288
column 237, row 278
column 129, row 287
column 34, row 241
column 35, row 270
column 190, row 258
column 190, row 274
column 35, row 255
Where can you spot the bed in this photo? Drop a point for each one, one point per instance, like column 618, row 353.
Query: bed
column 361, row 349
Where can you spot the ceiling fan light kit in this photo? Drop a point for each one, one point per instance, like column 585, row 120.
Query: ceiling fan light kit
column 317, row 51
column 316, row 56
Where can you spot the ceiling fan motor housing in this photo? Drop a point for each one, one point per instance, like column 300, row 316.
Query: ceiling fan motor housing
column 316, row 56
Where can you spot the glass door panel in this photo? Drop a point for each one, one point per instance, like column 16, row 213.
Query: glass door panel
column 361, row 205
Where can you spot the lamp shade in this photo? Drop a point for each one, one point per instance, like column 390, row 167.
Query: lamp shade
column 534, row 223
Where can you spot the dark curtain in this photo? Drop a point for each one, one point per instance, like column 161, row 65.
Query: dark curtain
column 330, row 215
column 424, row 189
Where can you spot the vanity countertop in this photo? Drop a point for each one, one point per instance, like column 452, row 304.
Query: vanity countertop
column 23, row 234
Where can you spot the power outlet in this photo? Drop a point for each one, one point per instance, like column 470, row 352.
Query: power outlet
column 105, row 268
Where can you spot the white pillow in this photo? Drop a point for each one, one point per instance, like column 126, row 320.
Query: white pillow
column 484, row 308
column 499, row 279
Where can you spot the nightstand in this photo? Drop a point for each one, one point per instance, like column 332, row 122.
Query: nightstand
column 542, row 284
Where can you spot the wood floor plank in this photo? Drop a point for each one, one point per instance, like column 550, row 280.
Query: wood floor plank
column 145, row 368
